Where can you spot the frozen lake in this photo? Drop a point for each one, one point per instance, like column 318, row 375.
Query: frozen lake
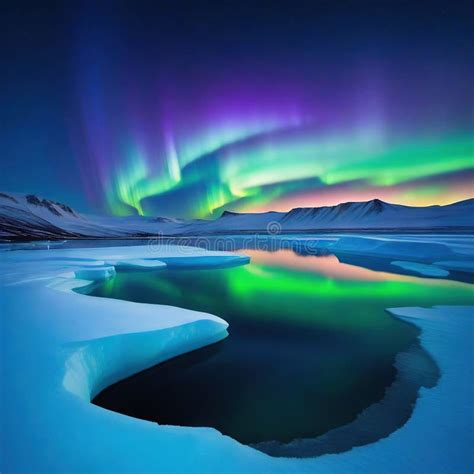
column 312, row 354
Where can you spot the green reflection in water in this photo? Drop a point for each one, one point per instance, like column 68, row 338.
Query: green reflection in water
column 309, row 348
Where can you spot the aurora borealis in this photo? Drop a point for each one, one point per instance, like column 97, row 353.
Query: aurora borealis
column 279, row 161
column 270, row 172
column 187, row 110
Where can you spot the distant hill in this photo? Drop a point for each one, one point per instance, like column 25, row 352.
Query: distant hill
column 373, row 215
column 29, row 216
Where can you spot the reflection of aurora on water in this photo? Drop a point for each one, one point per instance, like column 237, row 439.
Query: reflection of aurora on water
column 304, row 333
column 305, row 252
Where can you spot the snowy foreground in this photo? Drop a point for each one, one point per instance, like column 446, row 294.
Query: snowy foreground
column 60, row 348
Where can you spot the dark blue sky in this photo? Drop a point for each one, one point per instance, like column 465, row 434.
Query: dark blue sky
column 59, row 56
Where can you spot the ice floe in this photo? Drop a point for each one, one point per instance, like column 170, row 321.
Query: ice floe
column 421, row 268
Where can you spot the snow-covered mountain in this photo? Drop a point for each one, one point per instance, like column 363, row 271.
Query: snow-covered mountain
column 29, row 216
column 374, row 214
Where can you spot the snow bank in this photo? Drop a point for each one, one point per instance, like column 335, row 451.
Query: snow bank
column 95, row 273
column 77, row 345
column 59, row 348
column 421, row 268
column 139, row 264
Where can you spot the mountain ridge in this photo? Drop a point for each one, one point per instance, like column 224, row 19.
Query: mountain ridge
column 25, row 216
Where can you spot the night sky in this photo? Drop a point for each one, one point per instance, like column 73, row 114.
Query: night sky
column 187, row 109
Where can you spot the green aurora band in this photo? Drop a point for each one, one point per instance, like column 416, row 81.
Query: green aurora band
column 262, row 167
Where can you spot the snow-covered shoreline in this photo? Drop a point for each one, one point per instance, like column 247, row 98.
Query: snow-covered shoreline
column 60, row 348
column 29, row 216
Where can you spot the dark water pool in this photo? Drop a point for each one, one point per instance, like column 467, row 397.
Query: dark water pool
column 313, row 362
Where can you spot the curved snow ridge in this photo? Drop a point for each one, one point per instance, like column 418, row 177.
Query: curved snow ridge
column 97, row 364
column 95, row 273
column 136, row 335
column 138, row 264
column 79, row 344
